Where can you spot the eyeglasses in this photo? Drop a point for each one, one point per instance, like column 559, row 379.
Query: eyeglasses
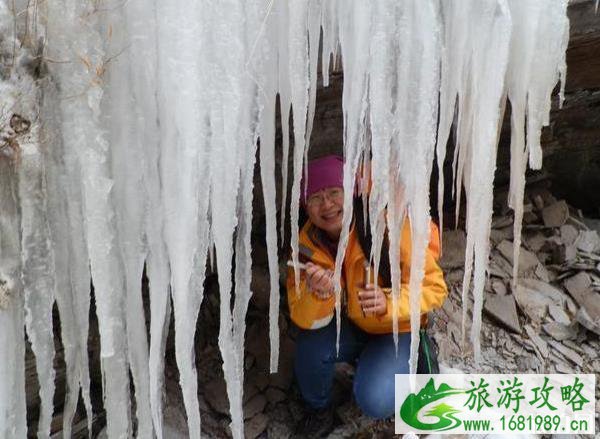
column 332, row 194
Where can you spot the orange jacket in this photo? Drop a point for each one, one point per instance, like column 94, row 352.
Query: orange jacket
column 309, row 312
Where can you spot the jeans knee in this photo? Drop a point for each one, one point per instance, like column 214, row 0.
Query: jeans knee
column 313, row 367
column 374, row 401
column 312, row 350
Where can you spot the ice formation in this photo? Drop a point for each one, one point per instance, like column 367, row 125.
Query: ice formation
column 12, row 313
column 480, row 118
column 136, row 150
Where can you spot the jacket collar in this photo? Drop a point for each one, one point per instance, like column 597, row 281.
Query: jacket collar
column 316, row 250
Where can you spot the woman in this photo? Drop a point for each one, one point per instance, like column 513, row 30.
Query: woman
column 366, row 330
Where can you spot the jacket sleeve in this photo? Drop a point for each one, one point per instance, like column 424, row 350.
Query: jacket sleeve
column 306, row 309
column 434, row 289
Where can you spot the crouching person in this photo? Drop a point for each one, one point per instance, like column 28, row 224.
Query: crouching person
column 366, row 323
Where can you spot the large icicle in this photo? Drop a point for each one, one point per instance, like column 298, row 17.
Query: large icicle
column 234, row 130
column 127, row 141
column 20, row 137
column 299, row 91
column 284, row 90
column 73, row 36
column 490, row 58
column 314, row 36
column 143, row 57
column 13, row 412
column 354, row 28
column 182, row 31
column 381, row 54
column 225, row 174
column 455, row 56
column 36, row 252
column 71, row 266
column 267, row 168
column 537, row 61
column 267, row 81
column 243, row 274
column 416, row 108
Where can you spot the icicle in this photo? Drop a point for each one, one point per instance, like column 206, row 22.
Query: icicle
column 32, row 277
column 267, row 83
column 234, row 135
column 380, row 118
column 454, row 58
column 314, row 36
column 127, row 145
column 397, row 185
column 224, row 173
column 526, row 16
column 330, row 37
column 21, row 148
column 37, row 256
column 71, row 266
column 423, row 50
column 490, row 57
column 267, row 169
column 223, row 226
column 182, row 52
column 299, row 87
column 80, row 107
column 284, row 89
column 243, row 263
column 143, row 59
column 549, row 57
column 13, row 412
column 355, row 23
column 395, row 222
column 537, row 62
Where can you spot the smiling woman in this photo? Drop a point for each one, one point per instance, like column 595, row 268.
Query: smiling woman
column 325, row 209
column 367, row 313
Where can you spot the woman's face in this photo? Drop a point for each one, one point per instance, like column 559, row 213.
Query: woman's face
column 325, row 209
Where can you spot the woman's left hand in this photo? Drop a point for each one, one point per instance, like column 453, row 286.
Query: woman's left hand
column 372, row 300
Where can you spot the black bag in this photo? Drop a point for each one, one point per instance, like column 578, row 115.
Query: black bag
column 427, row 362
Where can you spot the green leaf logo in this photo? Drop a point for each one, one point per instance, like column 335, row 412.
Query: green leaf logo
column 413, row 404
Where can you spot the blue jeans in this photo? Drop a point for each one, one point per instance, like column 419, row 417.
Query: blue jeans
column 374, row 377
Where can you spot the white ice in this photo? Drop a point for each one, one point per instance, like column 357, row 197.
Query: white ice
column 71, row 266
column 13, row 412
column 484, row 104
column 537, row 62
column 298, row 71
column 267, row 78
column 183, row 175
column 37, row 257
column 77, row 40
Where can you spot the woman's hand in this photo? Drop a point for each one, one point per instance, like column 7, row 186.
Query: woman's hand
column 372, row 300
column 319, row 281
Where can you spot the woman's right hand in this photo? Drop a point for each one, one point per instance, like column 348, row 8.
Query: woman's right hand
column 319, row 281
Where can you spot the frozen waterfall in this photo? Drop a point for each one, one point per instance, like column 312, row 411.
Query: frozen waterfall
column 137, row 149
